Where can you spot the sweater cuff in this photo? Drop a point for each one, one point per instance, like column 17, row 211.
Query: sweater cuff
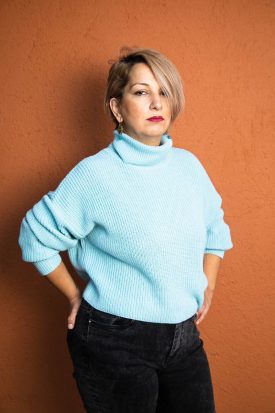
column 218, row 238
column 48, row 265
column 219, row 253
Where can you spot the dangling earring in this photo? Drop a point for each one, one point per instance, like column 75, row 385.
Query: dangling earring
column 120, row 128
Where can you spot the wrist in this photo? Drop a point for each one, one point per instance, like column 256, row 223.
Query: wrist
column 210, row 289
column 75, row 295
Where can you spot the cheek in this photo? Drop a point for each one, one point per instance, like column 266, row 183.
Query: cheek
column 167, row 110
column 134, row 110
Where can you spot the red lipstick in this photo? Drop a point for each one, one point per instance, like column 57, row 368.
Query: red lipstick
column 156, row 119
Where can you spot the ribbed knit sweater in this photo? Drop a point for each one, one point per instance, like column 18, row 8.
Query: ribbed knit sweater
column 136, row 221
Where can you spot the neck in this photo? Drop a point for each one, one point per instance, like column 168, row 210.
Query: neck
column 135, row 152
column 153, row 141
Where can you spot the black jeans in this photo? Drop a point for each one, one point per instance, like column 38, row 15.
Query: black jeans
column 129, row 366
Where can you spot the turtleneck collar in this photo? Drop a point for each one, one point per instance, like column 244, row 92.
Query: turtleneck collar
column 134, row 152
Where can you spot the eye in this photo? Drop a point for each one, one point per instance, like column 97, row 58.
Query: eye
column 145, row 92
column 140, row 92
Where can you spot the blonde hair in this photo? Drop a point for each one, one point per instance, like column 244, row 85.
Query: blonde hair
column 163, row 69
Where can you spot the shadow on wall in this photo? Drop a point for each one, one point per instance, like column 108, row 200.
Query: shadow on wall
column 85, row 109
column 37, row 312
column 80, row 129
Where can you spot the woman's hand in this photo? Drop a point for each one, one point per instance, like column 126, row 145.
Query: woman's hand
column 208, row 295
column 211, row 263
column 74, row 304
column 62, row 280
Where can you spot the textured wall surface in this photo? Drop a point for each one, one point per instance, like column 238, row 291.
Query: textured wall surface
column 54, row 62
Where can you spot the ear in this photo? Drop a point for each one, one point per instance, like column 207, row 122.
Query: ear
column 114, row 106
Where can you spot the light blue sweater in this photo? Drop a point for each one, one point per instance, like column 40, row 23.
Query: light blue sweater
column 136, row 221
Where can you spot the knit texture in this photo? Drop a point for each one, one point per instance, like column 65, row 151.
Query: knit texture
column 136, row 221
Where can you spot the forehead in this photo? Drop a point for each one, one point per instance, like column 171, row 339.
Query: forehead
column 141, row 73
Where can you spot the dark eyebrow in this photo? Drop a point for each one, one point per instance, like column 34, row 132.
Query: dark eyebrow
column 145, row 84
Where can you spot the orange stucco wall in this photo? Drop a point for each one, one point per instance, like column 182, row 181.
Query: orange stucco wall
column 54, row 62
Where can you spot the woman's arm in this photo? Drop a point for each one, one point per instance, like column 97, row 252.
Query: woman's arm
column 211, row 264
column 63, row 281
column 59, row 219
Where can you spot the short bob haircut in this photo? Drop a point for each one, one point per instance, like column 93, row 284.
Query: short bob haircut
column 163, row 69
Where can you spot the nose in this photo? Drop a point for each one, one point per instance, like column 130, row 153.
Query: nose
column 155, row 102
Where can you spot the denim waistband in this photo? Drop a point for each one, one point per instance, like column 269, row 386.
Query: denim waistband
column 88, row 307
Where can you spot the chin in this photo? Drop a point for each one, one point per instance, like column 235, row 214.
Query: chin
column 156, row 128
column 158, row 132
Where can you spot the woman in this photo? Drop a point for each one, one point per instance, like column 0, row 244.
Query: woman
column 143, row 225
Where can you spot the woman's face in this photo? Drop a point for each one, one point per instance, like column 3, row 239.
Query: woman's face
column 142, row 99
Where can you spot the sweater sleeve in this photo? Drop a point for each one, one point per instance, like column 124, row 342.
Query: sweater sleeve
column 218, row 238
column 57, row 221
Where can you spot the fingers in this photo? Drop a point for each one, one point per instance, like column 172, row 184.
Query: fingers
column 202, row 313
column 71, row 321
column 208, row 294
column 72, row 316
column 200, row 317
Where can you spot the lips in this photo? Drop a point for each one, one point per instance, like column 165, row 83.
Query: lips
column 156, row 119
